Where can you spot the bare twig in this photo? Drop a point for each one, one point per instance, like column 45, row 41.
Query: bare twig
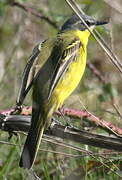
column 117, row 110
column 66, row 145
column 96, row 72
column 85, row 153
column 45, row 150
column 79, row 114
column 35, row 13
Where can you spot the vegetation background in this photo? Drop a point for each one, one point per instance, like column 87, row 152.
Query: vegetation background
column 20, row 31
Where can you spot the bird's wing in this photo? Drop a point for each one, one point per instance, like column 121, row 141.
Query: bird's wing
column 68, row 56
column 28, row 74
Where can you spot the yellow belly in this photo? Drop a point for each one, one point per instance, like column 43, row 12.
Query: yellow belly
column 70, row 80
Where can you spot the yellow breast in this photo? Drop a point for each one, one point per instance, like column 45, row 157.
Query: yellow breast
column 71, row 79
column 73, row 75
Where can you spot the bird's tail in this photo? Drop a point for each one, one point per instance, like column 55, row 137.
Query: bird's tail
column 32, row 143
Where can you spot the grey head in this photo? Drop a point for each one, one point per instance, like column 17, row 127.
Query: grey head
column 75, row 23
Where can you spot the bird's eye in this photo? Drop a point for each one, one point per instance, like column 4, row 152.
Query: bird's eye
column 88, row 23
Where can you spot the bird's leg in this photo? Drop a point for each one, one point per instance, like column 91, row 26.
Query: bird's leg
column 53, row 122
column 61, row 110
column 17, row 109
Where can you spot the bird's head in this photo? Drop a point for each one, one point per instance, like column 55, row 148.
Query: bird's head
column 75, row 23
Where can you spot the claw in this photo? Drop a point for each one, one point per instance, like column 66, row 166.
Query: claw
column 16, row 110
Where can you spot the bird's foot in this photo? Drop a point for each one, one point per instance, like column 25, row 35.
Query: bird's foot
column 17, row 110
column 68, row 125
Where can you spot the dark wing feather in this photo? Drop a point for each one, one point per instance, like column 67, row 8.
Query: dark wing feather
column 68, row 56
column 25, row 83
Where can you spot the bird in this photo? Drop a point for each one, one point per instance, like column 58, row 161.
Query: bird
column 61, row 65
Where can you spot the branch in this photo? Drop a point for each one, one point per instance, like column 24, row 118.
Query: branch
column 84, row 137
column 74, row 113
column 96, row 72
column 13, row 123
column 98, row 121
column 35, row 13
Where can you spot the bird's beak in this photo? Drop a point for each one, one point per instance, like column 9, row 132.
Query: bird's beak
column 100, row 23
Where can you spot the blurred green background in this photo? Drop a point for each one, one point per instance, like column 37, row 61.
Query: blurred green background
column 20, row 31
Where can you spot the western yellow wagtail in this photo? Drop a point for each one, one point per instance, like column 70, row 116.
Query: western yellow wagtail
column 63, row 61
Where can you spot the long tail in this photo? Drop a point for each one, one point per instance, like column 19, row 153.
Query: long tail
column 33, row 141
